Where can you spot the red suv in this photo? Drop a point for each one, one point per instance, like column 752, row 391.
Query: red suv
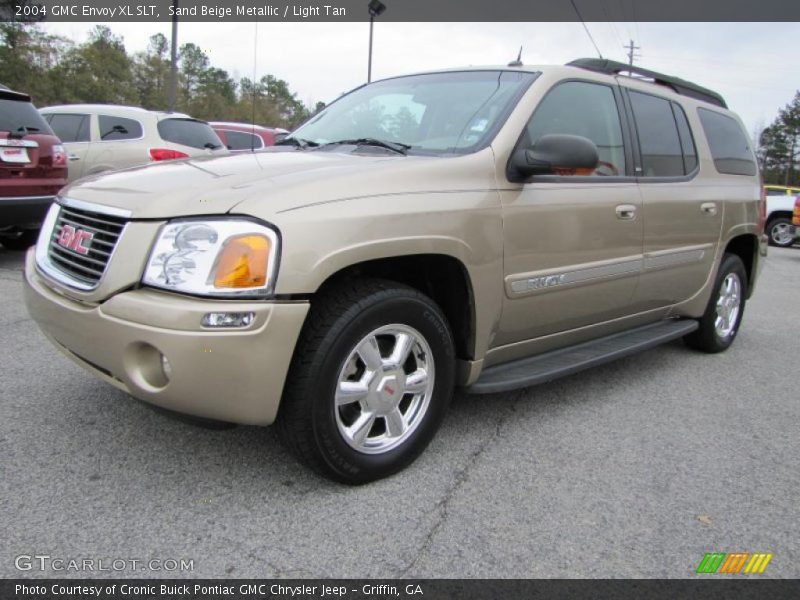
column 243, row 137
column 33, row 167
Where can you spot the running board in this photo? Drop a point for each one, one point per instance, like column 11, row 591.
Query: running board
column 566, row 361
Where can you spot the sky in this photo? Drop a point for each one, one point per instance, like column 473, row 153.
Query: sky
column 755, row 66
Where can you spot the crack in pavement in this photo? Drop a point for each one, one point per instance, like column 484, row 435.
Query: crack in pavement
column 461, row 477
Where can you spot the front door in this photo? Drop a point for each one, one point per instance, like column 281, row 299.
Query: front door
column 573, row 244
column 73, row 131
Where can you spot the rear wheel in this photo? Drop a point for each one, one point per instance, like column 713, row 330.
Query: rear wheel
column 720, row 323
column 370, row 381
column 781, row 232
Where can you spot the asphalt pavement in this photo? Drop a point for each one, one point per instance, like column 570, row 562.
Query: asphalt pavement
column 634, row 469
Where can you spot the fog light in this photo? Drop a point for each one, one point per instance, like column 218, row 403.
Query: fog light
column 166, row 367
column 228, row 319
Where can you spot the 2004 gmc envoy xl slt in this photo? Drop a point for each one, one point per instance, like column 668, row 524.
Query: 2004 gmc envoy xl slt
column 490, row 228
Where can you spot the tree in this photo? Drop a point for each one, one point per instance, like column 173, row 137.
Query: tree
column 151, row 74
column 98, row 71
column 27, row 57
column 779, row 146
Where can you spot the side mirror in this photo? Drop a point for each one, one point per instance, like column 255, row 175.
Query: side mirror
column 554, row 152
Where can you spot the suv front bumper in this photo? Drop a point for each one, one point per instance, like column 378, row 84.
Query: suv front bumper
column 234, row 375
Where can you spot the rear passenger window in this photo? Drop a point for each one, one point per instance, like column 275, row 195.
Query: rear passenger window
column 118, row 128
column 585, row 109
column 730, row 148
column 70, row 128
column 659, row 142
column 239, row 140
column 188, row 132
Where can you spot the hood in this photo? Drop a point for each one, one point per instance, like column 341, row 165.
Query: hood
column 264, row 183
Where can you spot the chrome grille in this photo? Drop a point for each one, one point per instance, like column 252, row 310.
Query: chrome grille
column 85, row 267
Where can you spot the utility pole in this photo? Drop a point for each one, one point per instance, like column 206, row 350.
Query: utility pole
column 631, row 52
column 173, row 67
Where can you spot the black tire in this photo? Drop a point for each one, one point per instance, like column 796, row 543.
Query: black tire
column 341, row 318
column 707, row 338
column 776, row 231
column 23, row 241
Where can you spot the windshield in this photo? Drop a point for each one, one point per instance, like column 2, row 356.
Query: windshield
column 438, row 113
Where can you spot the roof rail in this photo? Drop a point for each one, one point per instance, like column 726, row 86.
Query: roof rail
column 685, row 88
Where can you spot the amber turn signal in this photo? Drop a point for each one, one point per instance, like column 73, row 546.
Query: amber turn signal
column 243, row 263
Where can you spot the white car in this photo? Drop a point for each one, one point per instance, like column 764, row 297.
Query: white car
column 105, row 137
column 780, row 204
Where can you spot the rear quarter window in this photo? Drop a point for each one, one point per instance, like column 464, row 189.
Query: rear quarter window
column 729, row 145
column 189, row 132
column 119, row 128
column 18, row 115
column 240, row 140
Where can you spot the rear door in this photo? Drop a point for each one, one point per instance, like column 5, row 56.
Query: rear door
column 73, row 131
column 682, row 214
column 117, row 144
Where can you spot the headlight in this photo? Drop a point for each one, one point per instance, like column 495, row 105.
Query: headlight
column 224, row 257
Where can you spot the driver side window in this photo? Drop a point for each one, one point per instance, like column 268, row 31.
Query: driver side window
column 585, row 109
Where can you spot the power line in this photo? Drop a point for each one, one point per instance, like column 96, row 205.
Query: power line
column 577, row 12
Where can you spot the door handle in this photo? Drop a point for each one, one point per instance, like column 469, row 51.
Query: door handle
column 626, row 212
column 74, row 157
column 709, row 208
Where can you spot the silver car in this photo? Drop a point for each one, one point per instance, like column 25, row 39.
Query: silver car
column 104, row 137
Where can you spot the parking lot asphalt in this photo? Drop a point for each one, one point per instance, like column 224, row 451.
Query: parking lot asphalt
column 634, row 469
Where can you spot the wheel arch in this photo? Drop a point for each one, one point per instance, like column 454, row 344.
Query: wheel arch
column 442, row 277
column 746, row 247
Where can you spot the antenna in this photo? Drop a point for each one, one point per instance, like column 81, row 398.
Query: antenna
column 255, row 88
column 518, row 62
column 577, row 12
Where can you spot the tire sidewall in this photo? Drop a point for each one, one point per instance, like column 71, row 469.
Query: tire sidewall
column 353, row 326
column 730, row 264
column 772, row 225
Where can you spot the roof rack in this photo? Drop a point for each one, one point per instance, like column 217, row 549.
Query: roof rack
column 685, row 88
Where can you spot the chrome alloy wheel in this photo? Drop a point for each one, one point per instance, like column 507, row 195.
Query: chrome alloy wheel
column 384, row 389
column 729, row 303
column 782, row 234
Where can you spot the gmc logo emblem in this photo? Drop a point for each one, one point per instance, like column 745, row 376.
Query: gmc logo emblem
column 74, row 239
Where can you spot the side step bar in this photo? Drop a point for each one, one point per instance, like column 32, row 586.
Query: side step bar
column 566, row 361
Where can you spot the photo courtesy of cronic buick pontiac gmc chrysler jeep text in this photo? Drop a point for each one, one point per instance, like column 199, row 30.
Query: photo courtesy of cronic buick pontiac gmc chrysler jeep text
column 489, row 228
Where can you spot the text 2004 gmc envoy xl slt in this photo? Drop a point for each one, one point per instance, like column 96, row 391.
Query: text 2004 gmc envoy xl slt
column 490, row 228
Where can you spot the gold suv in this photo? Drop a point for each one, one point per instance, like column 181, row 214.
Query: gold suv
column 489, row 228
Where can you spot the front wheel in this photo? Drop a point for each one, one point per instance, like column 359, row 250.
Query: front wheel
column 370, row 381
column 720, row 323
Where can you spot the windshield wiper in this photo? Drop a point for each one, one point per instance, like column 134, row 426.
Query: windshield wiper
column 22, row 132
column 299, row 142
column 211, row 146
column 394, row 146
